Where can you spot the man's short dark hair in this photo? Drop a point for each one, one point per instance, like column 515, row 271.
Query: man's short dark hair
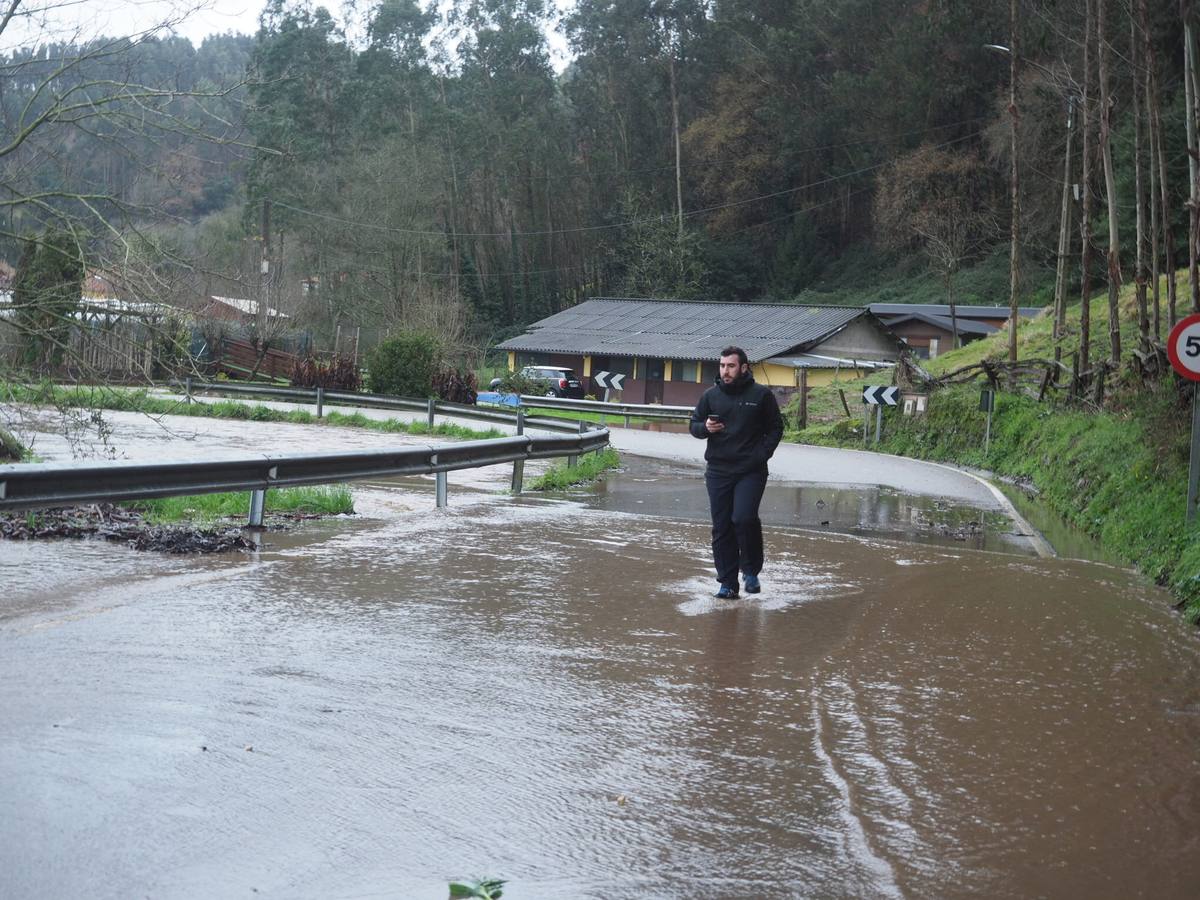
column 736, row 351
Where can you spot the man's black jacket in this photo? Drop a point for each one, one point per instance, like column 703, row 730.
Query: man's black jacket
column 753, row 425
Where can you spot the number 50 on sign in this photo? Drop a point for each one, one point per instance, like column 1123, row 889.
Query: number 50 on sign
column 1183, row 347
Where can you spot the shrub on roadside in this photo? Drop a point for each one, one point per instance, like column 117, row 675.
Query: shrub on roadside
column 10, row 448
column 404, row 365
column 339, row 373
column 455, row 386
column 516, row 383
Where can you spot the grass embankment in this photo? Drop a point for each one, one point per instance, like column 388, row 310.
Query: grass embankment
column 862, row 277
column 323, row 500
column 137, row 400
column 1119, row 475
column 590, row 467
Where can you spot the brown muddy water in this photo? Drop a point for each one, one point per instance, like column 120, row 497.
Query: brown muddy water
column 543, row 690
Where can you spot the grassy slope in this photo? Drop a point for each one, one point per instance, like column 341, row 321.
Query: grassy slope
column 1120, row 475
column 863, row 277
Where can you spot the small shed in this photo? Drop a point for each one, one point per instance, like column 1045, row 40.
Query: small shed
column 928, row 327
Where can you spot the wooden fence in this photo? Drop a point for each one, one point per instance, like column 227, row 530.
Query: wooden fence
column 239, row 358
column 120, row 349
column 1038, row 377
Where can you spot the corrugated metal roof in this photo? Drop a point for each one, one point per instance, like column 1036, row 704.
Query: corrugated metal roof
column 678, row 329
column 888, row 310
column 965, row 326
column 814, row 361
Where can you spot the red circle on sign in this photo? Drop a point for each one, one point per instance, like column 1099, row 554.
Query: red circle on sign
column 1186, row 331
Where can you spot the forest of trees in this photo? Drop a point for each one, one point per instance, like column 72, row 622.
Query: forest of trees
column 435, row 171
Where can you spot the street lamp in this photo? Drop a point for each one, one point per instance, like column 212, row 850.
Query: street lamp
column 1014, row 253
column 1072, row 99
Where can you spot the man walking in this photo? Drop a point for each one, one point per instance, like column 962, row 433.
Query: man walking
column 741, row 422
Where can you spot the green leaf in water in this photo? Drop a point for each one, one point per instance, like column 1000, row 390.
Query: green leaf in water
column 481, row 888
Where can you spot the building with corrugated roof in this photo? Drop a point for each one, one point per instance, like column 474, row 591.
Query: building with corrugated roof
column 668, row 349
column 929, row 330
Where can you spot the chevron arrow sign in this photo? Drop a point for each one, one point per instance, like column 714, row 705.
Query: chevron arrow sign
column 610, row 381
column 880, row 395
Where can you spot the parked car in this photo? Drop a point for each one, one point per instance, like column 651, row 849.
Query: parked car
column 552, row 381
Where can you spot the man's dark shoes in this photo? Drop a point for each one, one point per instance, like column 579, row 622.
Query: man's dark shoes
column 752, row 585
column 727, row 593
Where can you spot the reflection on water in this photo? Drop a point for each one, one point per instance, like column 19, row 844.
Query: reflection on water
column 1067, row 541
column 649, row 487
column 545, row 691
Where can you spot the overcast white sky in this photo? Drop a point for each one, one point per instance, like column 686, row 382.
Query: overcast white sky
column 41, row 20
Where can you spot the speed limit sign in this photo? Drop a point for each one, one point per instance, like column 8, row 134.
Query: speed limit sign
column 1183, row 347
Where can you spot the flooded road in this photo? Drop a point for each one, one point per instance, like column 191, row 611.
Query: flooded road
column 542, row 689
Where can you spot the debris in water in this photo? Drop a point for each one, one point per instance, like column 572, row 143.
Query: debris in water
column 116, row 523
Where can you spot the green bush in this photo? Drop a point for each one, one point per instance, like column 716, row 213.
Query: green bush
column 404, row 365
column 11, row 449
column 516, row 383
column 847, row 430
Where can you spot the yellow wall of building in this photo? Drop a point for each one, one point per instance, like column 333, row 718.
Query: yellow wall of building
column 667, row 370
column 774, row 375
column 512, row 360
column 587, row 367
column 823, row 377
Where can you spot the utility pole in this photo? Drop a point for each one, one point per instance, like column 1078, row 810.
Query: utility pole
column 1189, row 90
column 1064, row 240
column 1103, row 48
column 675, row 129
column 264, row 294
column 1014, row 263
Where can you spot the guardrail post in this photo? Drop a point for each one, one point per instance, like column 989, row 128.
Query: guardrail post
column 442, row 490
column 320, row 402
column 520, row 421
column 432, row 410
column 187, row 389
column 258, row 501
column 626, row 420
column 518, row 479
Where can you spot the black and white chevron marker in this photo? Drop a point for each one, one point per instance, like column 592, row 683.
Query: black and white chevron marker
column 610, row 381
column 878, row 395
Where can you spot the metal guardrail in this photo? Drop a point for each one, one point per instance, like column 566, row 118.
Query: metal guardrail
column 319, row 397
column 628, row 410
column 42, row 485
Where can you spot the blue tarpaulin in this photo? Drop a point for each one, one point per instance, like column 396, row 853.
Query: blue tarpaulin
column 497, row 398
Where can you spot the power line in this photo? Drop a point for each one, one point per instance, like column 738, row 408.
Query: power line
column 662, row 217
column 462, row 173
column 523, row 272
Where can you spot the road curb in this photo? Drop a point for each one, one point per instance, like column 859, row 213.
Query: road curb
column 1040, row 544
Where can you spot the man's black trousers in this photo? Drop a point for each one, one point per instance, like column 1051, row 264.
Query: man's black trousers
column 737, row 530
